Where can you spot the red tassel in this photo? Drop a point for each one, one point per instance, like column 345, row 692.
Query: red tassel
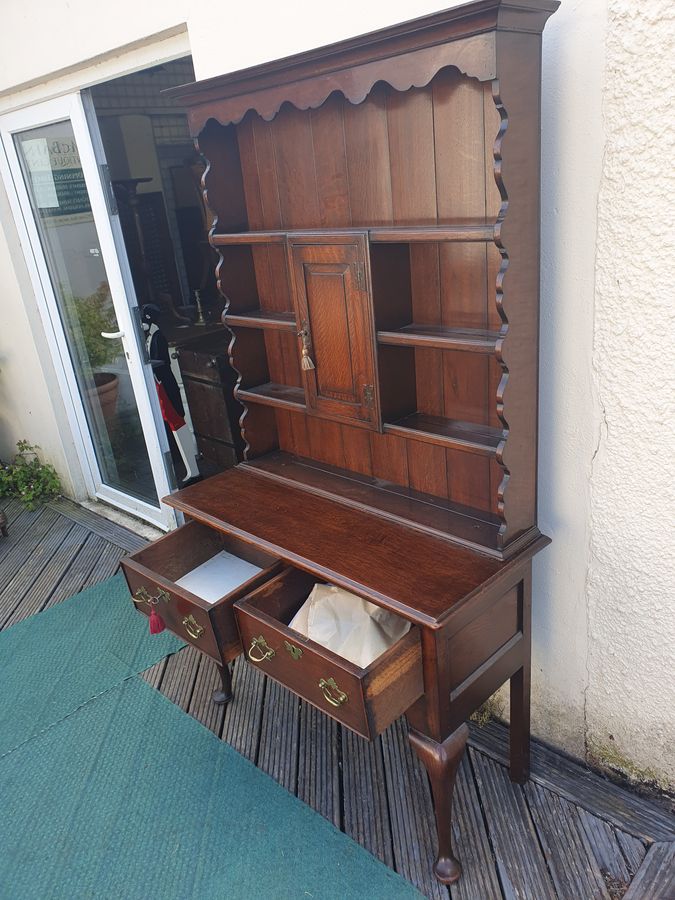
column 157, row 625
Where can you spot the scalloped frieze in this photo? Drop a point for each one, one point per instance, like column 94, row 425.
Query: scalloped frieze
column 473, row 56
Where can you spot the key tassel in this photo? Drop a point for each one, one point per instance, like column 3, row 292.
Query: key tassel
column 306, row 362
column 157, row 625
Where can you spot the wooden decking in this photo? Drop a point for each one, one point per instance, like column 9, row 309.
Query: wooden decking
column 567, row 834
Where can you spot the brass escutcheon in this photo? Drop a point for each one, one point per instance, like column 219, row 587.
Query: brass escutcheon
column 193, row 628
column 259, row 643
column 295, row 652
column 142, row 596
column 332, row 692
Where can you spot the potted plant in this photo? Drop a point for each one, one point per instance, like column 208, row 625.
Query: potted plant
column 95, row 314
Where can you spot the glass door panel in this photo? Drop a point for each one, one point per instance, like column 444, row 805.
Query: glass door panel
column 52, row 165
column 63, row 216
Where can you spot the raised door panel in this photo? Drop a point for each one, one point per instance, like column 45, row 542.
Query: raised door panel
column 334, row 309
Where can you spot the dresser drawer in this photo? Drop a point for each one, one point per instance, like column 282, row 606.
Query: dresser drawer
column 153, row 572
column 365, row 700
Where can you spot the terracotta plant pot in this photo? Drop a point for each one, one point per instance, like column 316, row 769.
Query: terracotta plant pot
column 105, row 393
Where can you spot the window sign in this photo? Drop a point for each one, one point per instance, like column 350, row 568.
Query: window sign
column 57, row 179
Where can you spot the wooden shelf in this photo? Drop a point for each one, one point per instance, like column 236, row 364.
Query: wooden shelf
column 464, row 230
column 248, row 237
column 481, row 439
column 434, row 515
column 281, row 395
column 432, row 336
column 257, row 318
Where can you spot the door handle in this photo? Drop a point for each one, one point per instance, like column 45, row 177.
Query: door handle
column 111, row 335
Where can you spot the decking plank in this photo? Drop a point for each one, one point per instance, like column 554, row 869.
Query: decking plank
column 19, row 521
column 578, row 784
column 280, row 735
column 101, row 526
column 573, row 866
column 365, row 808
column 84, row 569
column 480, row 878
column 655, row 879
column 411, row 813
column 522, row 867
column 155, row 673
column 634, row 851
column 201, row 706
column 30, row 569
column 56, row 568
column 27, row 544
column 179, row 677
column 319, row 763
column 606, row 848
column 243, row 714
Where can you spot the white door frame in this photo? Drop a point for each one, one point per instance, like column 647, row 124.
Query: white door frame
column 72, row 107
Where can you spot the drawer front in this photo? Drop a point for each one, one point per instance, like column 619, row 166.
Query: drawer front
column 223, row 456
column 209, row 411
column 184, row 618
column 365, row 700
column 155, row 568
column 204, row 365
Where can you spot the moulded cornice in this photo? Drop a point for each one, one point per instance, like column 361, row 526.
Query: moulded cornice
column 404, row 56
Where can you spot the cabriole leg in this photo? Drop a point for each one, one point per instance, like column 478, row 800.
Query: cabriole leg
column 441, row 760
column 224, row 695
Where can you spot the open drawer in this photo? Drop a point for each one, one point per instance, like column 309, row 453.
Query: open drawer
column 366, row 700
column 153, row 572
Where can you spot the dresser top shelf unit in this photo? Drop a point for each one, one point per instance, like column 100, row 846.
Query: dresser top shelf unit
column 376, row 214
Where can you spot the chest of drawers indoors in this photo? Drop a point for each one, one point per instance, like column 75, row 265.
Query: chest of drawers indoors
column 376, row 210
column 209, row 381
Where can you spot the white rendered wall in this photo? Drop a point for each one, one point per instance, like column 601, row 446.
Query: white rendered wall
column 631, row 582
column 602, row 610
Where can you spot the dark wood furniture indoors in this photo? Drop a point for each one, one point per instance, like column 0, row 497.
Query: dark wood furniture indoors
column 376, row 212
column 209, row 380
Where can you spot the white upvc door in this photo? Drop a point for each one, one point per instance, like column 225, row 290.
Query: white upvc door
column 54, row 169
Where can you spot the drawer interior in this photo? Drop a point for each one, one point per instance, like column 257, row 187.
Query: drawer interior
column 279, row 600
column 223, row 562
column 365, row 699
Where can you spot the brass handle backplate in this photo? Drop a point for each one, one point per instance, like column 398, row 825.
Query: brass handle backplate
column 142, row 596
column 295, row 652
column 260, row 645
column 332, row 692
column 193, row 628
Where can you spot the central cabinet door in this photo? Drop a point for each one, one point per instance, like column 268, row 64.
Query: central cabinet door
column 335, row 317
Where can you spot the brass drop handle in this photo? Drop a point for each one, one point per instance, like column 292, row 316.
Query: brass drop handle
column 193, row 628
column 306, row 363
column 142, row 596
column 260, row 650
column 332, row 692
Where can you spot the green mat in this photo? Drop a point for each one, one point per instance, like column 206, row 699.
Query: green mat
column 130, row 798
column 52, row 663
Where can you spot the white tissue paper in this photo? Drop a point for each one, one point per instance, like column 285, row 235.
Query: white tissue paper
column 348, row 625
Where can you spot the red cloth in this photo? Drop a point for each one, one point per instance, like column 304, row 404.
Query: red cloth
column 169, row 413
